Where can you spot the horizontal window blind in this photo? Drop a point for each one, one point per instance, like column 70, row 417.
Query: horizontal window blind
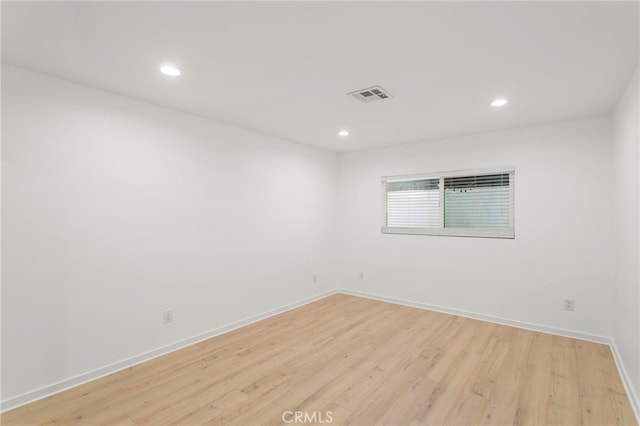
column 414, row 203
column 477, row 201
column 477, row 204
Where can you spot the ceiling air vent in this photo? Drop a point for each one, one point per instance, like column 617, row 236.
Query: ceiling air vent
column 375, row 93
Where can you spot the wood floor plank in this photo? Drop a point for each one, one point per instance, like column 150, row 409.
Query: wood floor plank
column 13, row 415
column 355, row 361
column 507, row 378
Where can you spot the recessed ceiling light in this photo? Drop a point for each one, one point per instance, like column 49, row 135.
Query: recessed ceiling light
column 499, row 102
column 343, row 132
column 170, row 70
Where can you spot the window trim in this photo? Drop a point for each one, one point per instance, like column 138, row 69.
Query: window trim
column 508, row 233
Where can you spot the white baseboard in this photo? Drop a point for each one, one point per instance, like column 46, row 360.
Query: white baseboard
column 63, row 385
column 626, row 381
column 483, row 317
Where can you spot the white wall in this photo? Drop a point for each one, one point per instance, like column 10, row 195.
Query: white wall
column 563, row 228
column 114, row 211
column 626, row 291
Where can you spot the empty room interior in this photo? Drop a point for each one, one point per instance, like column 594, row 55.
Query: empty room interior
column 348, row 213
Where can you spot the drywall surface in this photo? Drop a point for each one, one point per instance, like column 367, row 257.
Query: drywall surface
column 626, row 184
column 115, row 211
column 563, row 244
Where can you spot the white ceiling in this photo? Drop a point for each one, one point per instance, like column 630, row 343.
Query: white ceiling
column 284, row 68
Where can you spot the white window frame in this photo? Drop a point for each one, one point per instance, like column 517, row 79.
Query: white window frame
column 455, row 232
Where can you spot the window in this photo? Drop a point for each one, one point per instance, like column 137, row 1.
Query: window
column 471, row 204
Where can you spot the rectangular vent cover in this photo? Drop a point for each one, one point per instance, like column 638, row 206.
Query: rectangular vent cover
column 370, row 94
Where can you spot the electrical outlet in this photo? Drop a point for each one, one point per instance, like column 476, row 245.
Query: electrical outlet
column 361, row 275
column 569, row 304
column 315, row 278
column 167, row 317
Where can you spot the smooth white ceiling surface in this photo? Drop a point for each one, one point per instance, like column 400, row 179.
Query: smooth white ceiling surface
column 284, row 68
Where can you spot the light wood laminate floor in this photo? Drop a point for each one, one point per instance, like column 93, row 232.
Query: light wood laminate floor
column 356, row 361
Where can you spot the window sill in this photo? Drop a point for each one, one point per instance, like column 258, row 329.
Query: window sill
column 508, row 233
